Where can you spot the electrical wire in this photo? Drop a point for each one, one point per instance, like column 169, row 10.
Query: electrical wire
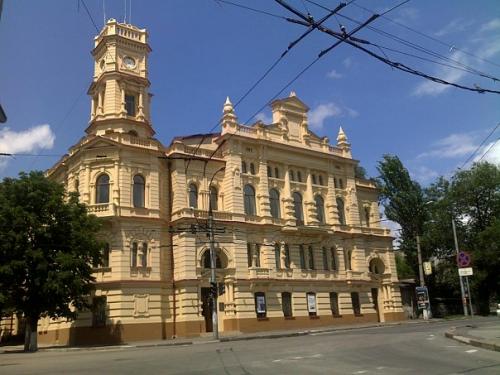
column 489, row 149
column 415, row 46
column 448, row 45
column 267, row 72
column 480, row 145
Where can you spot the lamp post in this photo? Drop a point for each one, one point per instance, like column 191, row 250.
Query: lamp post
column 213, row 261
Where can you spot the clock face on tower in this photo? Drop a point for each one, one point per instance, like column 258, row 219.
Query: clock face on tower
column 129, row 62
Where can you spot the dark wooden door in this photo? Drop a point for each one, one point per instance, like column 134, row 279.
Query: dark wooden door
column 375, row 302
column 207, row 308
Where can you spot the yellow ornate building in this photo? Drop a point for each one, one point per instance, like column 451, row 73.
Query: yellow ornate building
column 299, row 241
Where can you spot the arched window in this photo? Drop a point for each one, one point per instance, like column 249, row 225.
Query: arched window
column 274, row 201
column 287, row 256
column 377, row 266
column 193, row 196
column 341, row 183
column 299, row 176
column 214, row 196
column 333, row 255
column 249, row 200
column 206, row 261
column 269, row 171
column 311, row 258
column 276, row 172
column 348, row 260
column 138, row 191
column 243, row 167
column 335, row 183
column 325, row 259
column 133, row 255
column 297, row 208
column 105, row 256
column 302, row 257
column 252, row 168
column 367, row 216
column 314, row 181
column 341, row 211
column 257, row 255
column 321, row 182
column 144, row 255
column 320, row 208
column 77, row 186
column 292, row 176
column 277, row 256
column 102, row 189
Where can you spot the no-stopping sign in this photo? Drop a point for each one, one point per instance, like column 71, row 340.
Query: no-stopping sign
column 463, row 259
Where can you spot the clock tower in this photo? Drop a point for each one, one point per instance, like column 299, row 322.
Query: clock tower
column 120, row 87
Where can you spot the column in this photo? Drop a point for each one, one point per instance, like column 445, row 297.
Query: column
column 140, row 114
column 331, row 202
column 287, row 200
column 263, row 190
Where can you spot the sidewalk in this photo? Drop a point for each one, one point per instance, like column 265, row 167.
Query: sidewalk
column 222, row 338
column 486, row 336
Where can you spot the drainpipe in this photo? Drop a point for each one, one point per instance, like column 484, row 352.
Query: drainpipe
column 171, row 236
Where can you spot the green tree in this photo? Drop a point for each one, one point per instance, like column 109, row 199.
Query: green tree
column 404, row 203
column 475, row 197
column 47, row 246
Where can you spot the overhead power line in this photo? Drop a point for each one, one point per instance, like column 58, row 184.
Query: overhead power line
column 480, row 145
column 270, row 68
column 489, row 149
column 451, row 47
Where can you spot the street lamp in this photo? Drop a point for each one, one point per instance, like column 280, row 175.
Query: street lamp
column 426, row 311
column 213, row 261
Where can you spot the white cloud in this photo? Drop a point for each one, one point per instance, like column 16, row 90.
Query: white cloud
column 406, row 15
column 489, row 152
column 347, row 62
column 483, row 42
column 266, row 119
column 448, row 74
column 423, row 174
column 319, row 114
column 333, row 74
column 494, row 24
column 455, row 26
column 26, row 141
column 453, row 146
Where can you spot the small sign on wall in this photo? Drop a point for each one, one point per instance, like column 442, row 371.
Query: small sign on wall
column 311, row 302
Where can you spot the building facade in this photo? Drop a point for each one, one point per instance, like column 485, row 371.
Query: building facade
column 298, row 236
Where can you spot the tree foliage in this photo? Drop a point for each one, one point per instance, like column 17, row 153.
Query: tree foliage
column 47, row 246
column 472, row 199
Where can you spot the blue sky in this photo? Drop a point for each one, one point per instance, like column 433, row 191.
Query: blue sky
column 204, row 51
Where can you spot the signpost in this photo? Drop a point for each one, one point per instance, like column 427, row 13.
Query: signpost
column 464, row 270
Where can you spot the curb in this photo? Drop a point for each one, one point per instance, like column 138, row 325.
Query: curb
column 223, row 339
column 473, row 341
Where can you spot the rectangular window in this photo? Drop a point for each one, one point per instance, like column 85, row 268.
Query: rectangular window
column 287, row 256
column 334, row 303
column 356, row 306
column 133, row 255
column 105, row 256
column 286, row 304
column 98, row 311
column 334, row 259
column 311, row 304
column 130, row 105
column 260, row 305
column 249, row 254
column 302, row 257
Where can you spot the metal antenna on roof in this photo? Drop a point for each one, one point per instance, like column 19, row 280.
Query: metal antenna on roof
column 125, row 9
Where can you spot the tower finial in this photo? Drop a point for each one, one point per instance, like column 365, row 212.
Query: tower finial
column 341, row 137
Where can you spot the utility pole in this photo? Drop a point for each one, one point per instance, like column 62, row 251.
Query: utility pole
column 421, row 274
column 464, row 299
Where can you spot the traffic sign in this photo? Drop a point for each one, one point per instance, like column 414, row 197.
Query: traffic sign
column 463, row 259
column 427, row 268
column 467, row 271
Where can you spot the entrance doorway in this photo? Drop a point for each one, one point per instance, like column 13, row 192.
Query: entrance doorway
column 375, row 302
column 207, row 308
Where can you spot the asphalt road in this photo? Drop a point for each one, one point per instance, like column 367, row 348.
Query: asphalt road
column 405, row 349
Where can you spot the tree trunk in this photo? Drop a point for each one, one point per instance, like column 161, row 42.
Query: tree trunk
column 30, row 336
